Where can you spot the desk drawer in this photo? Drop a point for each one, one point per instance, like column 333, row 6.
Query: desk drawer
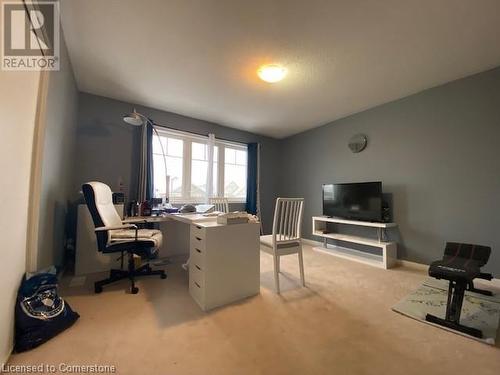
column 197, row 256
column 198, row 243
column 197, row 292
column 197, row 231
column 196, row 275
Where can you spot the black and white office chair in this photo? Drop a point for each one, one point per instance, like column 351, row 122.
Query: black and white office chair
column 114, row 236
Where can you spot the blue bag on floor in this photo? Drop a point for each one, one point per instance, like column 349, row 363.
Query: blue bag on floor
column 40, row 313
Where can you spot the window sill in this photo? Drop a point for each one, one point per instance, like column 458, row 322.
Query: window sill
column 194, row 202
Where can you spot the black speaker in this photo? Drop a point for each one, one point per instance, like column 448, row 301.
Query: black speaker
column 118, row 198
column 386, row 213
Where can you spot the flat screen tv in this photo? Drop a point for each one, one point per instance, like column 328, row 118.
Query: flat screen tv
column 353, row 201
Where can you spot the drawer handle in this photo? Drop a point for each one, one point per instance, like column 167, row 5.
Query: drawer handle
column 197, row 266
column 198, row 250
column 198, row 238
column 198, row 285
column 198, row 227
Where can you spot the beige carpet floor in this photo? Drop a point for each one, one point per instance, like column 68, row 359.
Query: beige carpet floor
column 341, row 323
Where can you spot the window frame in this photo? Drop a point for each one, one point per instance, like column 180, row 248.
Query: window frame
column 188, row 139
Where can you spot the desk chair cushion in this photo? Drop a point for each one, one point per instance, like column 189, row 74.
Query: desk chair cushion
column 152, row 235
column 268, row 242
column 460, row 262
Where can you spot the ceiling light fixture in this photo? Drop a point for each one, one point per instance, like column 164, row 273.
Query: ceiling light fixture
column 272, row 73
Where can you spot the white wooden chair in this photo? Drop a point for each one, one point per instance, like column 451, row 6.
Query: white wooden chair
column 286, row 237
column 221, row 204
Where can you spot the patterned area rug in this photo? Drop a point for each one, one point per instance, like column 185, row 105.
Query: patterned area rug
column 478, row 311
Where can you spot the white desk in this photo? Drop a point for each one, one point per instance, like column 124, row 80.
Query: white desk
column 175, row 232
column 183, row 218
column 224, row 259
column 224, row 263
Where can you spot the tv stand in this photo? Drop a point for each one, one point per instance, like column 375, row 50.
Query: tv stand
column 389, row 249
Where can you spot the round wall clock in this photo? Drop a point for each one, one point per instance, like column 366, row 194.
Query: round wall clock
column 358, row 143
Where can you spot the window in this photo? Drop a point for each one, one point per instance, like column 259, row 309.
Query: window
column 187, row 167
column 173, row 148
column 199, row 170
column 235, row 173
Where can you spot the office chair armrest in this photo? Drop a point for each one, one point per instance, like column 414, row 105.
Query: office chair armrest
column 134, row 220
column 124, row 226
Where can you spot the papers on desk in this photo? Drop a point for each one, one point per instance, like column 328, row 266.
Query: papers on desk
column 233, row 218
column 213, row 214
column 218, row 217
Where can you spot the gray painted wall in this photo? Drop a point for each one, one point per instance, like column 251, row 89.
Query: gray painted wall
column 58, row 158
column 437, row 153
column 107, row 148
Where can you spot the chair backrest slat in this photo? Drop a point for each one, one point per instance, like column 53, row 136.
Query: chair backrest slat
column 221, row 204
column 287, row 219
column 295, row 217
column 287, row 215
column 283, row 219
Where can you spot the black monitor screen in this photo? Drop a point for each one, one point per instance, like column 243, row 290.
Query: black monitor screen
column 356, row 201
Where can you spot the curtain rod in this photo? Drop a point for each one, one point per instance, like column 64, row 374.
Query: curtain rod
column 195, row 133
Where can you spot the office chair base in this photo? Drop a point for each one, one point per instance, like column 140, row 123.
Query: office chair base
column 117, row 275
column 454, row 326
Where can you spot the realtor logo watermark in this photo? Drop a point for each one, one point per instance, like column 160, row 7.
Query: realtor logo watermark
column 31, row 35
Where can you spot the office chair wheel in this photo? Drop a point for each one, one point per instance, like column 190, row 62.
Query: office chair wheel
column 97, row 289
column 134, row 290
column 163, row 275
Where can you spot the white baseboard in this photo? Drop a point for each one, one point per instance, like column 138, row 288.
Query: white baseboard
column 309, row 242
column 412, row 265
column 7, row 355
column 495, row 282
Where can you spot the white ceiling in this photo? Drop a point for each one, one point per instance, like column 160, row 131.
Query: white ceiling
column 199, row 58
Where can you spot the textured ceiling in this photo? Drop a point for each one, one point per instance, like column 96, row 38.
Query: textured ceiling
column 199, row 58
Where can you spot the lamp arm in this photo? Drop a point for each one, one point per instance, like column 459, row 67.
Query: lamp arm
column 162, row 151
